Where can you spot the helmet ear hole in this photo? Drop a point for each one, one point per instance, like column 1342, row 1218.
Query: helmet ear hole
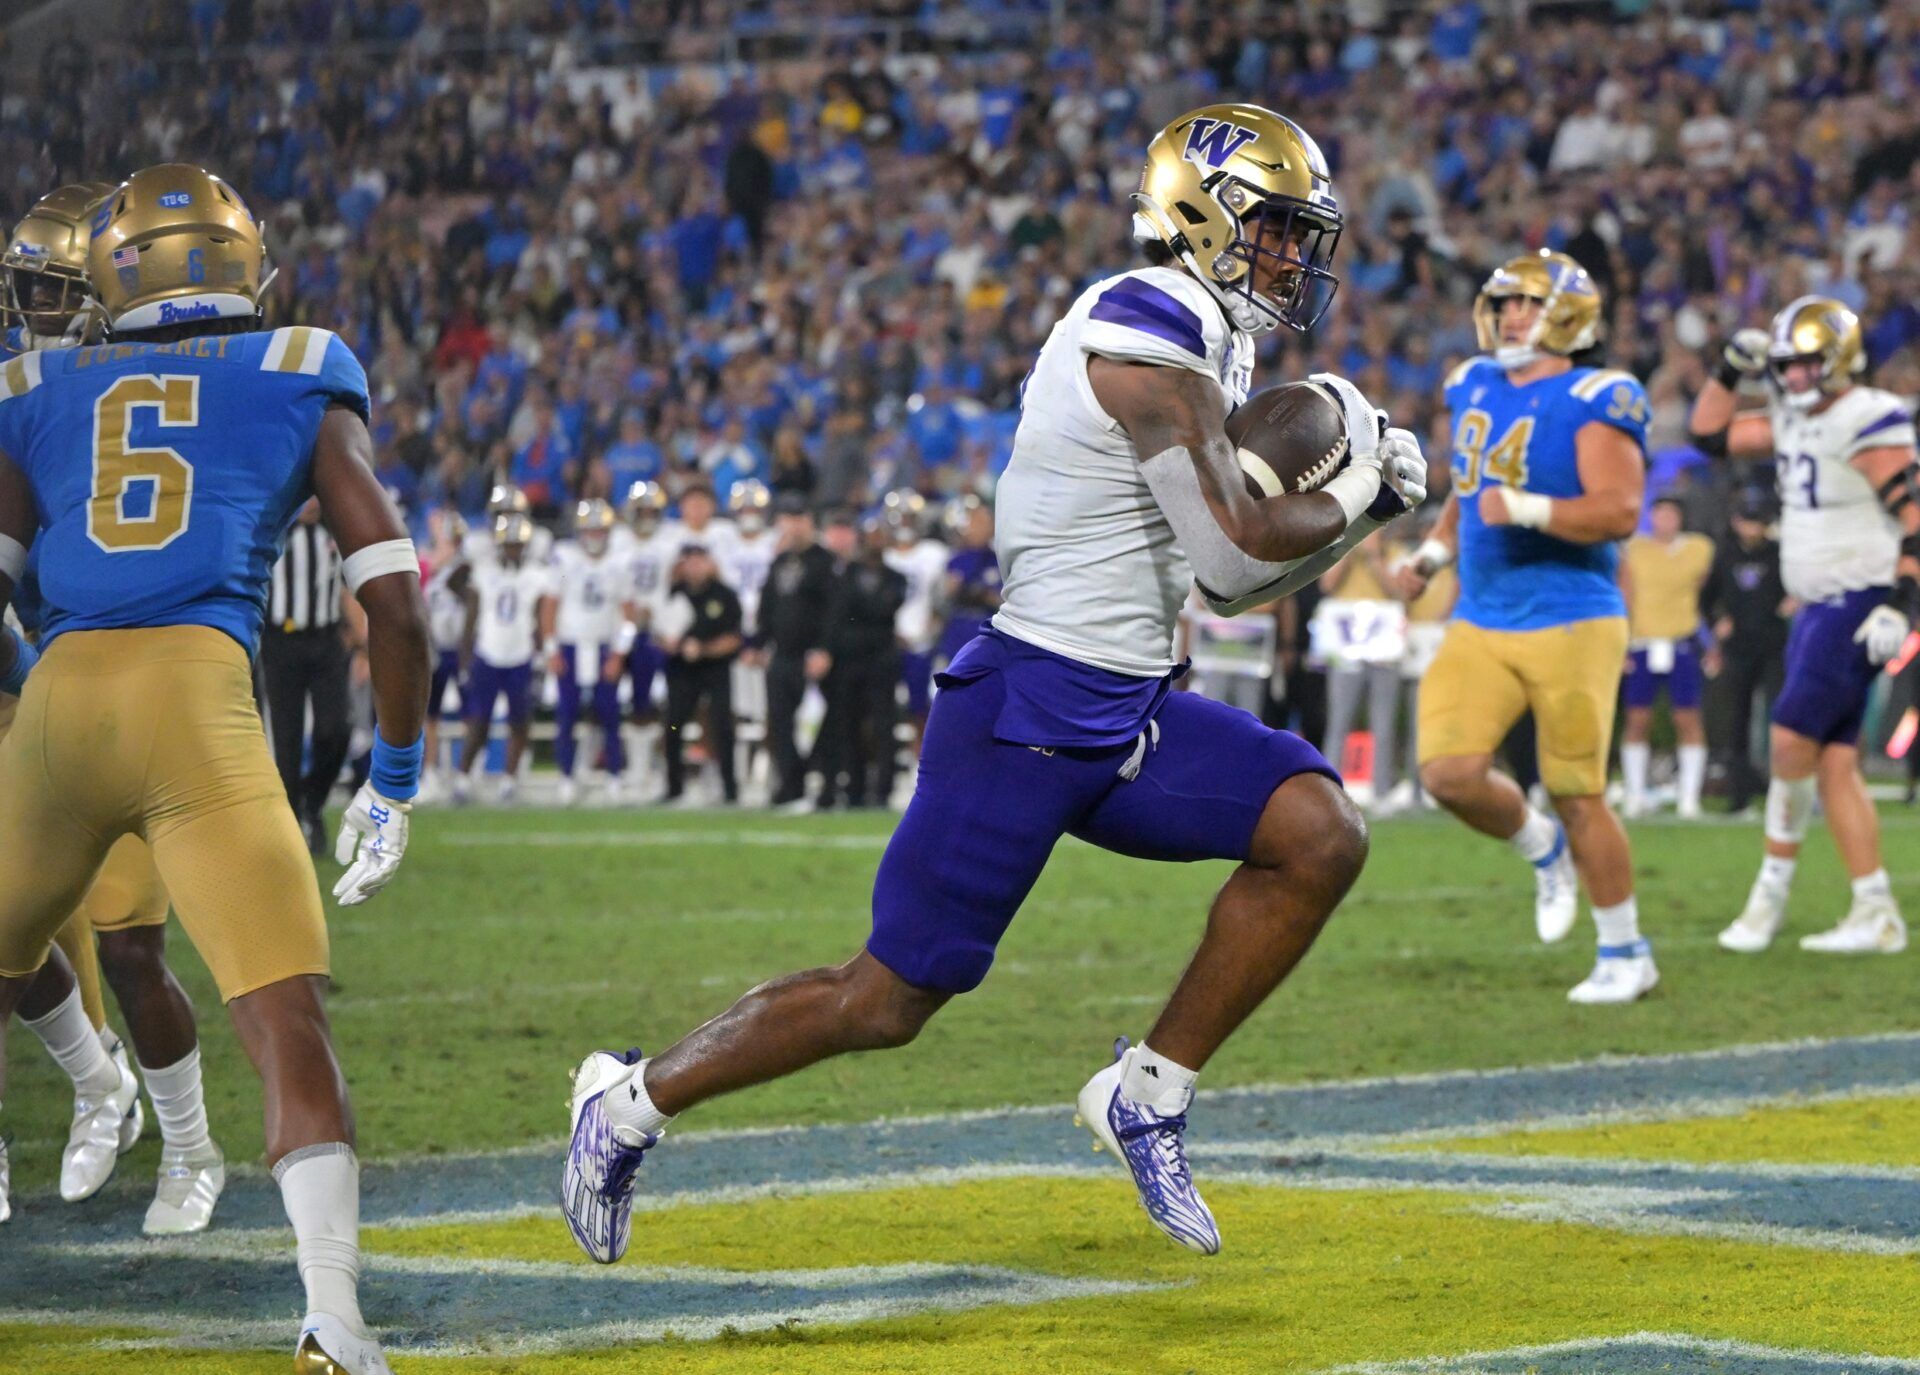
column 1192, row 215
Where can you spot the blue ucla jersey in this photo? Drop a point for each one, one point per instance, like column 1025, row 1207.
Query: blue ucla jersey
column 1514, row 578
column 166, row 475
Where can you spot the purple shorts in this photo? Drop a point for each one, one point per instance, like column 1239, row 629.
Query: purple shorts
column 916, row 671
column 644, row 662
column 988, row 811
column 1682, row 682
column 1829, row 677
column 446, row 672
column 486, row 684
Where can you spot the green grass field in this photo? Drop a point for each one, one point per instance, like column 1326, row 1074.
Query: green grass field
column 516, row 940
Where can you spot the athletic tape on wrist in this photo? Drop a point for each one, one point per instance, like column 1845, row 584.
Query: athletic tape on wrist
column 13, row 557
column 376, row 560
column 395, row 769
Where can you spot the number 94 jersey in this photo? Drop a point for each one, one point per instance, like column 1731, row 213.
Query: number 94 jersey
column 166, row 475
column 1513, row 578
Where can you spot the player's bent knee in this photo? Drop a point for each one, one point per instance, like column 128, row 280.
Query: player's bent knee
column 1312, row 828
column 884, row 1011
column 1453, row 777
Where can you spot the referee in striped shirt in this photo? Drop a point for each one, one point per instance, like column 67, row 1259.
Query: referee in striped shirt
column 305, row 659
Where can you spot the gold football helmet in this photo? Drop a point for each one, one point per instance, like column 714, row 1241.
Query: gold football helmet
column 1243, row 199
column 1816, row 329
column 506, row 499
column 904, row 511
column 174, row 244
column 749, row 503
column 593, row 523
column 512, row 529
column 1569, row 318
column 645, row 506
column 45, row 264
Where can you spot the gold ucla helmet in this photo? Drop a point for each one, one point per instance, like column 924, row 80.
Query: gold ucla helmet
column 174, row 244
column 1569, row 318
column 47, row 298
column 1816, row 329
column 645, row 506
column 1238, row 194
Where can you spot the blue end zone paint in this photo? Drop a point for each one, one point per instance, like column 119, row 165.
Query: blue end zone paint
column 1259, row 1135
column 1642, row 1353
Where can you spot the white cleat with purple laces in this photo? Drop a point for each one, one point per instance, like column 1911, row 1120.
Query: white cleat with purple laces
column 596, row 1189
column 1150, row 1145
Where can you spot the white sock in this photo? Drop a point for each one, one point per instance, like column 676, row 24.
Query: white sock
column 1534, row 840
column 75, row 1046
column 1634, row 758
column 320, row 1188
column 178, row 1103
column 1874, row 887
column 1619, row 924
column 1693, row 774
column 1777, row 872
column 1156, row 1082
column 628, row 1107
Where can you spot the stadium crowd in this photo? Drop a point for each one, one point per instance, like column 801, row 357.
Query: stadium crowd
column 822, row 248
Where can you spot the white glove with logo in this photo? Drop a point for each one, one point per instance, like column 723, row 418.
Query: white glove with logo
column 1883, row 632
column 1405, row 469
column 1746, row 352
column 377, row 827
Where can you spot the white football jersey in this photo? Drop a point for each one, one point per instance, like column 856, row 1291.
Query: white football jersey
column 1090, row 565
column 446, row 609
column 649, row 562
column 1835, row 535
column 593, row 594
column 924, row 565
column 506, row 630
column 744, row 563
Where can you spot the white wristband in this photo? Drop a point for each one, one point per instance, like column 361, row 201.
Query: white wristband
column 376, row 560
column 1354, row 487
column 13, row 557
column 1432, row 556
column 1527, row 508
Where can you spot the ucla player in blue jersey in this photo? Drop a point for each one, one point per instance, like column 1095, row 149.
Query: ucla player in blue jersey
column 1548, row 470
column 165, row 467
column 46, row 304
column 1059, row 718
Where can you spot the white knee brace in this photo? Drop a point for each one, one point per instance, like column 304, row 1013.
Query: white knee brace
column 1789, row 809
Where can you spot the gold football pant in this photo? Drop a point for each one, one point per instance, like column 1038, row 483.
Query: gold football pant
column 153, row 733
column 1481, row 681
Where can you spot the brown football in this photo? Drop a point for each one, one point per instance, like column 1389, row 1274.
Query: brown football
column 1291, row 437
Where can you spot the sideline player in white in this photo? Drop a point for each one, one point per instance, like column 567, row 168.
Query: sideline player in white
column 586, row 622
column 1060, row 718
column 448, row 572
column 923, row 563
column 745, row 560
column 506, row 500
column 504, row 617
column 1850, row 554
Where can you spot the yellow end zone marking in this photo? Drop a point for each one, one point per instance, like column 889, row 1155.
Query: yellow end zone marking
column 1855, row 1131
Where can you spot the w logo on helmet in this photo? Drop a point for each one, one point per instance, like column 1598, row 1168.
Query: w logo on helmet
column 1213, row 141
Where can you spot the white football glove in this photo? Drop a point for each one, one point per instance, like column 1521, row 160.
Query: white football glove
column 377, row 827
column 1746, row 352
column 1883, row 632
column 1405, row 467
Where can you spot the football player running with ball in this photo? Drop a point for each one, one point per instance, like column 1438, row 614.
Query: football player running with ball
column 1850, row 555
column 1548, row 469
column 1061, row 719
column 168, row 464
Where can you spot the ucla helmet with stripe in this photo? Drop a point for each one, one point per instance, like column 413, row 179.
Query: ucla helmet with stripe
column 174, row 244
column 47, row 299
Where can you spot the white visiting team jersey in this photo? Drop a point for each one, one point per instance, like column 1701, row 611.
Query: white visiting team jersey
column 446, row 609
column 593, row 595
column 1090, row 565
column 649, row 562
column 744, row 563
column 1835, row 535
column 509, row 604
column 924, row 565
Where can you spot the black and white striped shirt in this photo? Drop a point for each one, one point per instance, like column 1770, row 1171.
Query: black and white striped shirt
column 306, row 582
